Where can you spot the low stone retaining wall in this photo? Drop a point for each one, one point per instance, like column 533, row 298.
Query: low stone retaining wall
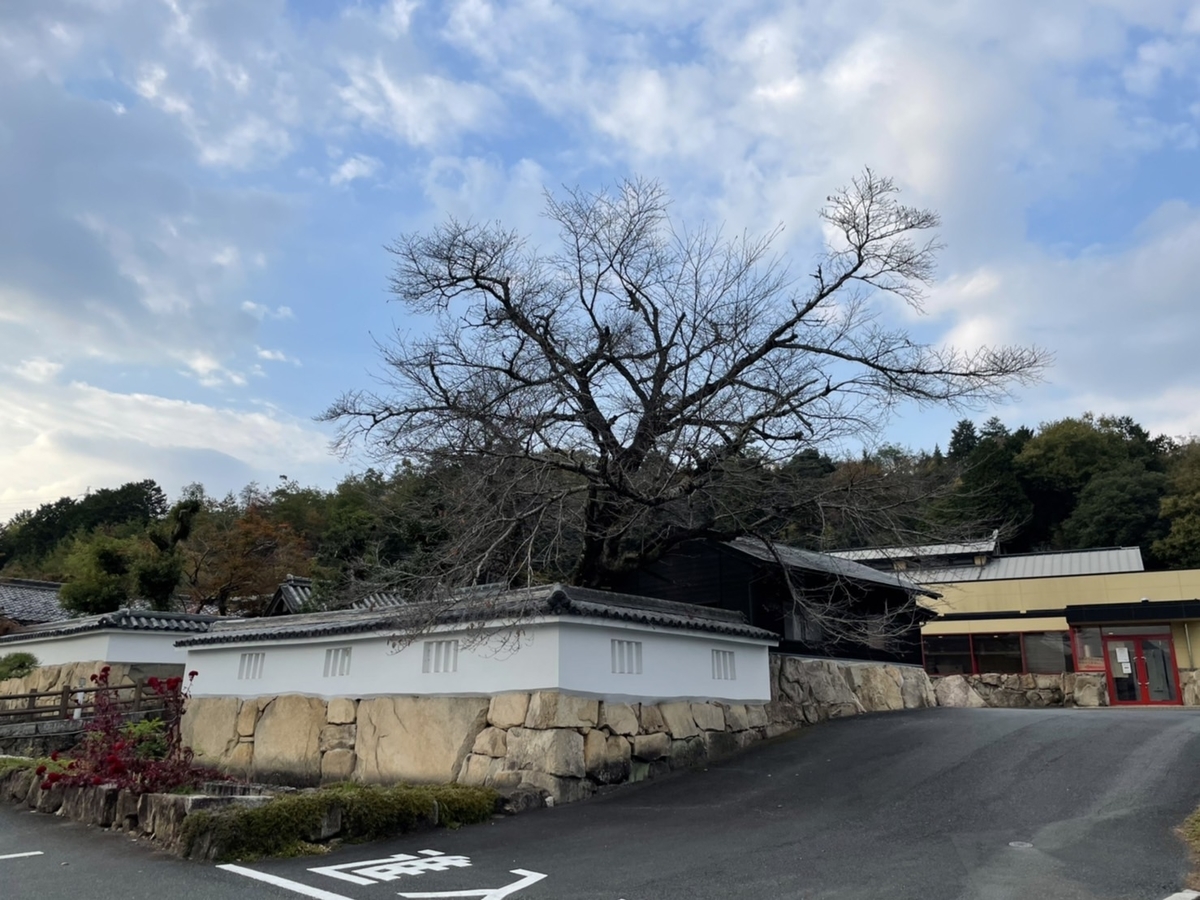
column 158, row 817
column 55, row 678
column 564, row 746
column 1083, row 689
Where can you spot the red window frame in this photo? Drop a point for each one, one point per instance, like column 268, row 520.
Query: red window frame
column 970, row 636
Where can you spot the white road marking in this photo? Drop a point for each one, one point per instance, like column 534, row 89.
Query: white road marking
column 21, row 855
column 284, row 883
column 1184, row 895
column 487, row 894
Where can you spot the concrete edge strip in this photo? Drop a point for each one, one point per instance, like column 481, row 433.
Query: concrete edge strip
column 284, row 883
column 1184, row 895
column 21, row 855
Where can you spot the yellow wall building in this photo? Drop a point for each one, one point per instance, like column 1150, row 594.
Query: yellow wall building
column 1077, row 611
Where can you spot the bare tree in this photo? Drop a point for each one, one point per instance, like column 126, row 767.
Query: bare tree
column 594, row 405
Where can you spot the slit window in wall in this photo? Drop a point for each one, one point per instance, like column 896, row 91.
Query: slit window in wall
column 627, row 657
column 440, row 656
column 250, row 666
column 723, row 668
column 337, row 662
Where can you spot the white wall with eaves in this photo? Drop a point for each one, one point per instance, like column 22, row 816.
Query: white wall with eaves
column 111, row 646
column 573, row 655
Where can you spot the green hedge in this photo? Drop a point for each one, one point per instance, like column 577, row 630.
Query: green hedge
column 287, row 825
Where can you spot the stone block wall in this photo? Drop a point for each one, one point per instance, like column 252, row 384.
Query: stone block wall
column 1083, row 689
column 559, row 745
column 55, row 678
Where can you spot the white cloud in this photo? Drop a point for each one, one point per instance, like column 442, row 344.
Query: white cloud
column 260, row 312
column 422, row 110
column 37, row 369
column 357, row 166
column 62, row 439
column 275, row 356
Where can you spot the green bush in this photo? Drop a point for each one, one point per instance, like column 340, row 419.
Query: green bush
column 17, row 665
column 287, row 825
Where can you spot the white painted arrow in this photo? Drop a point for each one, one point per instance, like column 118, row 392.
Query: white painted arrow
column 499, row 893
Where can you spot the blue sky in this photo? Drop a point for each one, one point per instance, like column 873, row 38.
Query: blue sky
column 196, row 194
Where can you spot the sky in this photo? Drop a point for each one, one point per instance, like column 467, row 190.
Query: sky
column 195, row 197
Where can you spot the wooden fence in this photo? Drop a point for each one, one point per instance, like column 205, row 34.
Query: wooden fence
column 76, row 703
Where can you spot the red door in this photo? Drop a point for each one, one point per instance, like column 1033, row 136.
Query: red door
column 1141, row 670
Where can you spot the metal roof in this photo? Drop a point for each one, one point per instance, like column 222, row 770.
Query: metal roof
column 985, row 547
column 1108, row 561
column 122, row 619
column 796, row 558
column 503, row 606
column 31, row 602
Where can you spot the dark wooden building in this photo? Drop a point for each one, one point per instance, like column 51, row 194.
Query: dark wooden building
column 758, row 579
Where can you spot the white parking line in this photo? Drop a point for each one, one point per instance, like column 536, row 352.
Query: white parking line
column 284, row 883
column 1184, row 895
column 21, row 855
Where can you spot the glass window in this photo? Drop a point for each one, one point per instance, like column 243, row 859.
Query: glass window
column 1048, row 652
column 947, row 654
column 1089, row 650
column 998, row 653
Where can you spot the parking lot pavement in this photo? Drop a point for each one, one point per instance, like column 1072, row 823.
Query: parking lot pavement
column 970, row 804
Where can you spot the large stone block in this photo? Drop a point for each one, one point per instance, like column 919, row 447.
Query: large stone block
column 491, row 742
column 1090, row 689
column 559, row 790
column 287, row 740
column 553, row 709
column 678, row 718
column 247, row 719
column 508, row 710
column 877, row 687
column 209, row 727
column 916, row 688
column 341, row 711
column 557, row 751
column 708, row 716
column 650, row 719
column 756, row 716
column 337, row 765
column 735, row 717
column 953, row 690
column 651, row 746
column 1189, row 682
column 818, row 684
column 619, row 718
column 480, row 770
column 688, row 753
column 338, row 737
column 718, row 744
column 418, row 739
column 606, row 758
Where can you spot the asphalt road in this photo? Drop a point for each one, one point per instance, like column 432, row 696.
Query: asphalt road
column 904, row 805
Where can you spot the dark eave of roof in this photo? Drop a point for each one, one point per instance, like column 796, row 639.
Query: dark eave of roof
column 507, row 606
column 121, row 620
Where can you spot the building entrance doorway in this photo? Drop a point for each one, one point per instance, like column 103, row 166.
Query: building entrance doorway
column 1141, row 670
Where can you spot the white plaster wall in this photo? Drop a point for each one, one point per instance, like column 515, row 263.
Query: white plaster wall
column 297, row 667
column 675, row 665
column 108, row 646
column 572, row 655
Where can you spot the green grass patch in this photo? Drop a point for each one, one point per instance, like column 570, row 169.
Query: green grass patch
column 1190, row 832
column 292, row 824
column 11, row 763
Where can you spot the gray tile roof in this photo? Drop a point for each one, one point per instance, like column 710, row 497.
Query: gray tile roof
column 795, row 557
column 31, row 602
column 549, row 600
column 1109, row 561
column 295, row 595
column 122, row 619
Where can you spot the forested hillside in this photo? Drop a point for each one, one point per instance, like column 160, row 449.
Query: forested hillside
column 1074, row 483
